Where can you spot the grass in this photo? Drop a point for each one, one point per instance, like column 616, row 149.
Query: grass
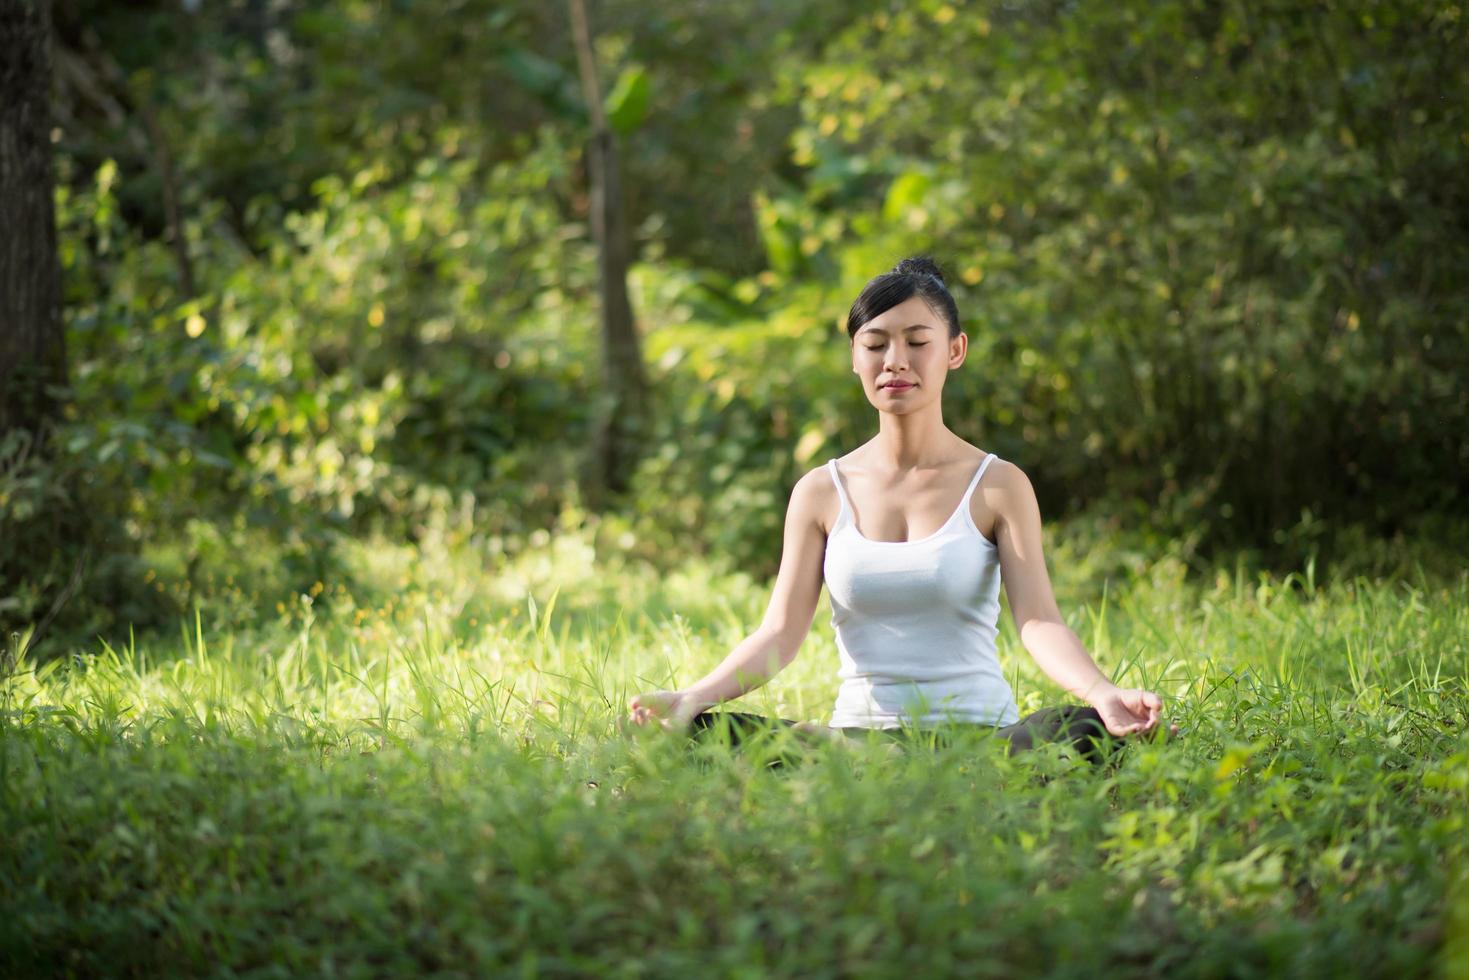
column 423, row 774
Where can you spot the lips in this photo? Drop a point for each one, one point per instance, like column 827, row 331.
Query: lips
column 898, row 386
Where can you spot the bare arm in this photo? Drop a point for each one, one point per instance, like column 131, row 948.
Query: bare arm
column 1044, row 634
column 776, row 641
column 752, row 663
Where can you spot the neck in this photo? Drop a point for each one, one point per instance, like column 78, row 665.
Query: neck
column 917, row 439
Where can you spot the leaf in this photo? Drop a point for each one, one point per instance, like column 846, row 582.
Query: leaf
column 906, row 193
column 627, row 103
column 780, row 247
column 1235, row 758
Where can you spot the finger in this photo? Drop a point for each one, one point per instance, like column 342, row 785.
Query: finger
column 1138, row 704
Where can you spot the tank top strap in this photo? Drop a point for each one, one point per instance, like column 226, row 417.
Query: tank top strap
column 845, row 514
column 964, row 504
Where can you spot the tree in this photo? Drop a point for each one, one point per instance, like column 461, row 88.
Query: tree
column 32, row 347
column 615, row 448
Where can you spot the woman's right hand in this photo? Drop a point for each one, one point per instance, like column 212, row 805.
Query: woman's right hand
column 674, row 710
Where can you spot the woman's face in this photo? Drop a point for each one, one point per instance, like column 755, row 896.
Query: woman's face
column 904, row 355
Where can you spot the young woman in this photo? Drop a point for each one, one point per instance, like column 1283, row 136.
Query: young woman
column 912, row 534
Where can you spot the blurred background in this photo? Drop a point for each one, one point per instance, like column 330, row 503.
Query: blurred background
column 463, row 277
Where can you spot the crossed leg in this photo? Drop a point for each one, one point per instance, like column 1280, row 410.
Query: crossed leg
column 1079, row 726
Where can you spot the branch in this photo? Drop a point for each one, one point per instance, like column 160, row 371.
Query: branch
column 105, row 86
column 587, row 63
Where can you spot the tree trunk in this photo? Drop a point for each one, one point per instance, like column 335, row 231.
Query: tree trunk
column 619, row 424
column 622, row 357
column 32, row 347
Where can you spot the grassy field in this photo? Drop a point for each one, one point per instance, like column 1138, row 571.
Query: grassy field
column 423, row 774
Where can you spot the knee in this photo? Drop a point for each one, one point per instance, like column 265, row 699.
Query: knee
column 1086, row 717
column 1088, row 733
column 703, row 725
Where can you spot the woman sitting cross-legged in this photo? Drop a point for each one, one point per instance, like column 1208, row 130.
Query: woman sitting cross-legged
column 912, row 533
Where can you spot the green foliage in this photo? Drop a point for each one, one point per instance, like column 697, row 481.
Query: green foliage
column 378, row 366
column 1207, row 257
column 1204, row 250
column 742, row 414
column 627, row 103
column 423, row 774
column 70, row 555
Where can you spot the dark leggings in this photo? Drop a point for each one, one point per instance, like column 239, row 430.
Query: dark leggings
column 1076, row 725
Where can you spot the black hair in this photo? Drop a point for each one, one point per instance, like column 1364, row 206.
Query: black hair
column 917, row 275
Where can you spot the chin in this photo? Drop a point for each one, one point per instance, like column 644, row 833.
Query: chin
column 901, row 405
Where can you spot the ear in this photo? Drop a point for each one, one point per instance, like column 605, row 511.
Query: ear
column 958, row 350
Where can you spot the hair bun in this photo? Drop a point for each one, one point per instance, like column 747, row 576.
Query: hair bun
column 919, row 265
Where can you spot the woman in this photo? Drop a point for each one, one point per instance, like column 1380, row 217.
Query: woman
column 913, row 577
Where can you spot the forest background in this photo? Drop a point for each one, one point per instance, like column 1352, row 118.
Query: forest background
column 321, row 339
column 329, row 274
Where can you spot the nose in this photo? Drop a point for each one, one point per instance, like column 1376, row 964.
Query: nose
column 896, row 358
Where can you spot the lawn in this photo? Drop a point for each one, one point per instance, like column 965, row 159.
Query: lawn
column 422, row 773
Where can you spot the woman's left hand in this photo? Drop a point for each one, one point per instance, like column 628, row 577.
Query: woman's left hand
column 1129, row 711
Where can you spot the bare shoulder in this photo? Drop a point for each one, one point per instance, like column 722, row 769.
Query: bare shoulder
column 1005, row 477
column 814, row 499
column 1009, row 495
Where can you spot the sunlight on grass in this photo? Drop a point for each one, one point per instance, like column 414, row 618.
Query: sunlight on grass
column 426, row 772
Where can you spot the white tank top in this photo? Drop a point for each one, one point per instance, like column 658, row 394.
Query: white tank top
column 916, row 623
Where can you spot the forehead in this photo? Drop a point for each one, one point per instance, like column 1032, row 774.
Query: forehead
column 912, row 312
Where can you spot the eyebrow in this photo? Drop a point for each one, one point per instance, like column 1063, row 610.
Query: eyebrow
column 916, row 326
